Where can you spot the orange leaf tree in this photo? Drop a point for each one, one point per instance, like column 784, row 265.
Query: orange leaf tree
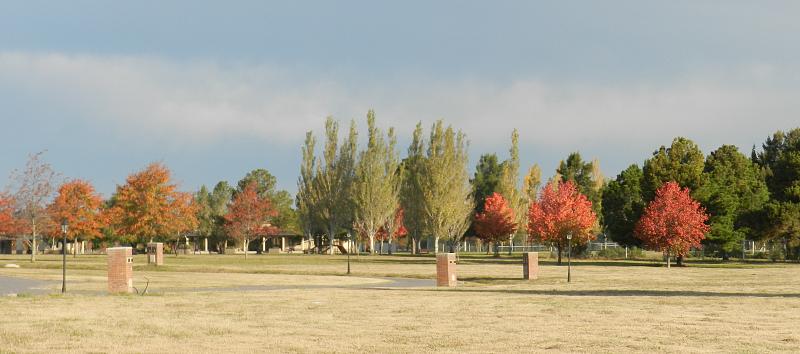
column 560, row 211
column 150, row 206
column 249, row 215
column 496, row 222
column 78, row 204
column 673, row 222
column 9, row 225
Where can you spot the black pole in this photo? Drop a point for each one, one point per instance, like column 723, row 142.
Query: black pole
column 349, row 250
column 64, row 264
column 569, row 260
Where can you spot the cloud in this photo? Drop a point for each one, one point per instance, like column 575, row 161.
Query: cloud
column 205, row 102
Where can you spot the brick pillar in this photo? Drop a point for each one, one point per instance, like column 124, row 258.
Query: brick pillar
column 155, row 253
column 530, row 265
column 446, row 269
column 120, row 269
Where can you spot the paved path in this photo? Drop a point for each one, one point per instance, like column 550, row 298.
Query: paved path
column 12, row 285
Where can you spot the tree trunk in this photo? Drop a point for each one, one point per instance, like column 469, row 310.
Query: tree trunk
column 413, row 245
column 496, row 250
column 33, row 240
column 679, row 261
column 510, row 243
column 246, row 244
column 558, row 247
column 389, row 250
column 372, row 244
column 436, row 245
column 225, row 247
column 75, row 248
column 668, row 260
column 330, row 238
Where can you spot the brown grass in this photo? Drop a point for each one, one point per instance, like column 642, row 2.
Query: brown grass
column 609, row 307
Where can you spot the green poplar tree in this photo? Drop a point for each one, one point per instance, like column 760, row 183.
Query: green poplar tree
column 411, row 194
column 377, row 182
column 445, row 185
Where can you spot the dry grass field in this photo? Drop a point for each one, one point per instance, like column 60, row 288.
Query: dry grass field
column 297, row 303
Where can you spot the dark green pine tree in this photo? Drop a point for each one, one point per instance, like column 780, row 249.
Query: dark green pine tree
column 623, row 205
column 733, row 189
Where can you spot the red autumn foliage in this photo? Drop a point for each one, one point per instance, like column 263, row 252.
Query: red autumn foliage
column 560, row 211
column 9, row 225
column 497, row 220
column 249, row 214
column 400, row 229
column 78, row 204
column 673, row 222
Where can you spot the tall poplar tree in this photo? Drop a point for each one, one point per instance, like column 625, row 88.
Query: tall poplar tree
column 377, row 182
column 305, row 199
column 533, row 179
column 334, row 180
column 508, row 186
column 411, row 194
column 445, row 185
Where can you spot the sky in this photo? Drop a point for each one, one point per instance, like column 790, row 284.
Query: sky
column 216, row 89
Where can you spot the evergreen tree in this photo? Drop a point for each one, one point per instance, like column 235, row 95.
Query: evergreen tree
column 586, row 176
column 732, row 189
column 486, row 179
column 682, row 162
column 623, row 205
column 780, row 161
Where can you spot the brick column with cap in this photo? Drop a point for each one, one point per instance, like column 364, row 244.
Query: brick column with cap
column 155, row 253
column 446, row 269
column 530, row 265
column 120, row 269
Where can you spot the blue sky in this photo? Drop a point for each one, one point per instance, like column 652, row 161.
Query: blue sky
column 215, row 89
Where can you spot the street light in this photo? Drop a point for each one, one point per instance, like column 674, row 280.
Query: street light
column 64, row 227
column 349, row 250
column 569, row 258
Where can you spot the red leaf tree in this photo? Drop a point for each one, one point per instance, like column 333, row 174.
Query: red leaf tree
column 249, row 215
column 9, row 225
column 496, row 222
column 394, row 229
column 560, row 211
column 78, row 204
column 673, row 222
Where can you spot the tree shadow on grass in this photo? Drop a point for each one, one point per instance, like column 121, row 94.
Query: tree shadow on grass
column 614, row 293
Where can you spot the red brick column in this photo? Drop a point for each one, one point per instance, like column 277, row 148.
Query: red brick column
column 120, row 269
column 530, row 265
column 155, row 253
column 446, row 269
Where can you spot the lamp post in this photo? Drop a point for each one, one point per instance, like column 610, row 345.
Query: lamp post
column 349, row 249
column 64, row 256
column 569, row 258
